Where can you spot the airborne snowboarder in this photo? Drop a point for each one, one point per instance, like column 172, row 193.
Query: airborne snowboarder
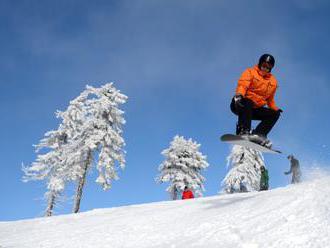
column 256, row 88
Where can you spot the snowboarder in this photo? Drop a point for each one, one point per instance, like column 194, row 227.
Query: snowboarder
column 264, row 179
column 294, row 169
column 256, row 88
column 187, row 193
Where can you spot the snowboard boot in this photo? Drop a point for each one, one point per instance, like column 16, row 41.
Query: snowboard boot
column 238, row 129
column 267, row 143
column 244, row 133
column 260, row 140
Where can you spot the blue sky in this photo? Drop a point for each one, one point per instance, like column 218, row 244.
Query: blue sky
column 178, row 62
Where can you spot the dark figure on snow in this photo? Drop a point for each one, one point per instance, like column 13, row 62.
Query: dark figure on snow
column 294, row 169
column 187, row 193
column 242, row 186
column 256, row 88
column 264, row 179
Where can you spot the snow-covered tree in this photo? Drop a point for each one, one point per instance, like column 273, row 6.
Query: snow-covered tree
column 92, row 127
column 51, row 167
column 94, row 122
column 182, row 166
column 245, row 166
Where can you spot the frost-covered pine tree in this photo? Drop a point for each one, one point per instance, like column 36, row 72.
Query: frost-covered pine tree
column 91, row 130
column 182, row 167
column 94, row 122
column 245, row 166
column 51, row 167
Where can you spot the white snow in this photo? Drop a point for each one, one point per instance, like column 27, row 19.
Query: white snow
column 294, row 216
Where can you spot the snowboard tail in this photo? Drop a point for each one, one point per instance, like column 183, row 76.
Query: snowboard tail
column 242, row 141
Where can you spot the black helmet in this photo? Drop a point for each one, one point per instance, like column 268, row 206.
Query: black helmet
column 266, row 58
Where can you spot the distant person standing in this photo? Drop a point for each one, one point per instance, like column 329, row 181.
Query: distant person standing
column 294, row 169
column 264, row 179
column 187, row 194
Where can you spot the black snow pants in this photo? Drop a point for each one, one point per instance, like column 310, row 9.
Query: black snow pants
column 246, row 114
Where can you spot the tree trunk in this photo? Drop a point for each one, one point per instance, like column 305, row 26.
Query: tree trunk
column 51, row 203
column 81, row 184
column 174, row 194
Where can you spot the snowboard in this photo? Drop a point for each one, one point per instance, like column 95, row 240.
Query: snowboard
column 243, row 141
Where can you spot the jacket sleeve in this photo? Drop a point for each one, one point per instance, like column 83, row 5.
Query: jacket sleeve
column 244, row 82
column 271, row 100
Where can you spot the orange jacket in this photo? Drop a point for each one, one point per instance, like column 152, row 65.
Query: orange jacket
column 259, row 89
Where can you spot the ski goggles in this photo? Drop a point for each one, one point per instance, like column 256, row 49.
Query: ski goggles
column 266, row 67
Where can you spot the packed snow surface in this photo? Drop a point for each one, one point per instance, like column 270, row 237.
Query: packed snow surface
column 294, row 216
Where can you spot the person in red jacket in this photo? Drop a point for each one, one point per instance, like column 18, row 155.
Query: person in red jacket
column 187, row 194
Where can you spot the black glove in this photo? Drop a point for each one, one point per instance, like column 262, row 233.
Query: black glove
column 280, row 110
column 238, row 101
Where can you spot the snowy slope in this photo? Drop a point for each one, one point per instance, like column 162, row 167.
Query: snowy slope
column 294, row 216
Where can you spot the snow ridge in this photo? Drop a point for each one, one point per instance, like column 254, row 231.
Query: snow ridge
column 293, row 216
